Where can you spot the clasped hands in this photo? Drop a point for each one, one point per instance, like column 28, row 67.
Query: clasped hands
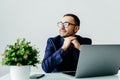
column 70, row 40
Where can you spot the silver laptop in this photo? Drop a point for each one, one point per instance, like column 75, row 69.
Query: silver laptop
column 97, row 60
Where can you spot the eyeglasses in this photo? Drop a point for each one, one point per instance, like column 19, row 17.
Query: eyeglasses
column 65, row 24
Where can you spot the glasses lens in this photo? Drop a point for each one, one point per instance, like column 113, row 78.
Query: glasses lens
column 59, row 24
column 66, row 24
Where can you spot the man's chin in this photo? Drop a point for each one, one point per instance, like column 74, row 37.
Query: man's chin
column 64, row 36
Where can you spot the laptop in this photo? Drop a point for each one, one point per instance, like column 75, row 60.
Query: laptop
column 97, row 60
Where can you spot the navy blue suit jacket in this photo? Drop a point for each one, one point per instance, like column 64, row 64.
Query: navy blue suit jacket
column 55, row 59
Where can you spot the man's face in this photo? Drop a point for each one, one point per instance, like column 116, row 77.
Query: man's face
column 70, row 30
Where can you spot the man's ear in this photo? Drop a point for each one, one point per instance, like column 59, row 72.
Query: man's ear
column 77, row 28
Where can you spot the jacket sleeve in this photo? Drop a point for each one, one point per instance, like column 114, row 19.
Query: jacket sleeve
column 52, row 57
column 76, row 54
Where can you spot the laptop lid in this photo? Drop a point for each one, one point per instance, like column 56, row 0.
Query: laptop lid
column 98, row 60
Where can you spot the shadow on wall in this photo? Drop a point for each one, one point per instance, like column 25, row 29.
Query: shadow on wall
column 4, row 70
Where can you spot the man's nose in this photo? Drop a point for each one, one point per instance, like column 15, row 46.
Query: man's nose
column 62, row 27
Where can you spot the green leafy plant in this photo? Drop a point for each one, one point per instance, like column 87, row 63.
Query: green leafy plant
column 20, row 53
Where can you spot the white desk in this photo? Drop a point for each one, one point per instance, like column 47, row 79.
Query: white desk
column 61, row 76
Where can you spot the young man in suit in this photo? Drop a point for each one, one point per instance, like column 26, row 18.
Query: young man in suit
column 62, row 51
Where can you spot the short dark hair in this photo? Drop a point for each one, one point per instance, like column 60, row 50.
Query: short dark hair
column 76, row 19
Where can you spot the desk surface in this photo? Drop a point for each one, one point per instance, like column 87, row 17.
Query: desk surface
column 61, row 76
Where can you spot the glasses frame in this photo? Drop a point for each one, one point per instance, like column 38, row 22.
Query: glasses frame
column 65, row 24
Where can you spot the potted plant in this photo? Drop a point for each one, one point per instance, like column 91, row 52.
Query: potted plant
column 20, row 56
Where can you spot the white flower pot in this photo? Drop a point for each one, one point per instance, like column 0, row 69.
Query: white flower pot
column 20, row 72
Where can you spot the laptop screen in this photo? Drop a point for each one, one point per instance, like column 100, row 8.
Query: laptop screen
column 98, row 60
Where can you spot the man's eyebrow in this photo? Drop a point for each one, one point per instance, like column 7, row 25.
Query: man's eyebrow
column 66, row 22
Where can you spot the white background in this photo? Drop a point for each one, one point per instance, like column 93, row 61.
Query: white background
column 36, row 20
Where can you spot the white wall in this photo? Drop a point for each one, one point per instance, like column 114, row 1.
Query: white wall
column 36, row 20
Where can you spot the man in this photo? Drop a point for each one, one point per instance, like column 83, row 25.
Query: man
column 62, row 51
